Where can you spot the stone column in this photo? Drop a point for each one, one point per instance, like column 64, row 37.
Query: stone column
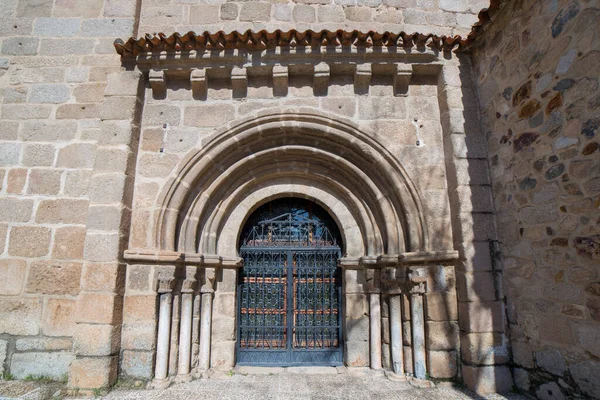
column 418, row 330
column 208, row 292
column 375, row 329
column 166, row 281
column 185, row 331
column 396, row 333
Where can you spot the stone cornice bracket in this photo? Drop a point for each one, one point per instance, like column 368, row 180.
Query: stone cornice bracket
column 199, row 83
column 362, row 78
column 321, row 76
column 280, row 80
column 239, row 82
column 189, row 283
column 402, row 76
column 158, row 83
column 209, row 281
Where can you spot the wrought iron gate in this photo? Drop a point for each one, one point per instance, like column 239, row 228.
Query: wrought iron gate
column 289, row 294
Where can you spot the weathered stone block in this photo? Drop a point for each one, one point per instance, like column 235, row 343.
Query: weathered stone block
column 44, row 181
column 441, row 306
column 442, row 335
column 137, row 364
column 3, row 353
column 484, row 348
column 97, row 308
column 112, row 27
column 96, row 340
column 477, row 286
column 56, row 26
column 78, row 111
column 15, row 210
column 138, row 336
column 356, row 354
column 62, row 211
column 254, row 11
column 44, row 344
column 29, row 241
column 356, row 329
column 49, row 93
column 12, row 276
column 77, row 183
column 15, row 181
column 47, row 131
column 55, row 364
column 112, row 160
column 208, row 115
column 26, row 111
column 357, row 305
column 586, row 375
column 68, row 243
column 484, row 380
column 101, row 247
column 381, row 108
column 442, row 364
column 107, row 277
column 140, row 308
column 58, row 319
column 107, row 188
column 118, row 108
column 93, row 372
column 20, row 316
column 20, row 46
column 9, row 154
column 50, row 277
column 38, row 155
column 481, row 316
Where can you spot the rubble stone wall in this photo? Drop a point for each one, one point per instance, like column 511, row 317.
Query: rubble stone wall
column 537, row 70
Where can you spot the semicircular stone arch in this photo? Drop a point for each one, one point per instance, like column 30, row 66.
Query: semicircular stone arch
column 367, row 188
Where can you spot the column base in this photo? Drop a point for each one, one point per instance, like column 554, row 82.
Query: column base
column 392, row 376
column 183, row 378
column 160, row 383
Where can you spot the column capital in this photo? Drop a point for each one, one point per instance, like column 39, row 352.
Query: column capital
column 189, row 283
column 166, row 280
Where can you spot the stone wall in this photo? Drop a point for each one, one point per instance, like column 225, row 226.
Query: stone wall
column 441, row 17
column 55, row 60
column 537, row 69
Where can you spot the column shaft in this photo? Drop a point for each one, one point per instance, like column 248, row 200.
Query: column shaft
column 396, row 334
column 185, row 335
column 164, row 335
column 205, row 330
column 375, row 330
column 418, row 334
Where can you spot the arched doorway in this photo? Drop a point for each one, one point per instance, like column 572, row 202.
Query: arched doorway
column 289, row 289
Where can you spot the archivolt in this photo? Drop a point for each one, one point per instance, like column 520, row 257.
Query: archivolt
column 249, row 162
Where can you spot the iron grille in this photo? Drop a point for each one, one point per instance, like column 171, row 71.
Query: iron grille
column 289, row 294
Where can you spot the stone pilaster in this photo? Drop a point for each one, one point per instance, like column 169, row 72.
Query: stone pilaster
column 100, row 302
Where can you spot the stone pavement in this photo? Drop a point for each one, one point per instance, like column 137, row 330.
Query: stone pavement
column 301, row 386
column 281, row 384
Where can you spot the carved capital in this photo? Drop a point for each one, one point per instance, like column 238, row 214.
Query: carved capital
column 209, row 281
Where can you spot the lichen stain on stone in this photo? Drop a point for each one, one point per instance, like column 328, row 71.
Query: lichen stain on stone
column 564, row 16
column 590, row 127
column 554, row 103
column 590, row 148
column 521, row 94
column 554, row 171
column 564, row 84
column 588, row 246
column 525, row 140
column 529, row 108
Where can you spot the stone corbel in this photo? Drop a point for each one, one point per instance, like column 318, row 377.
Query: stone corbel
column 362, row 78
column 321, row 78
column 199, row 83
column 158, row 83
column 280, row 80
column 402, row 77
column 239, row 82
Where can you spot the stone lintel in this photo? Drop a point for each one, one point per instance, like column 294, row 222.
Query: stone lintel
column 158, row 83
